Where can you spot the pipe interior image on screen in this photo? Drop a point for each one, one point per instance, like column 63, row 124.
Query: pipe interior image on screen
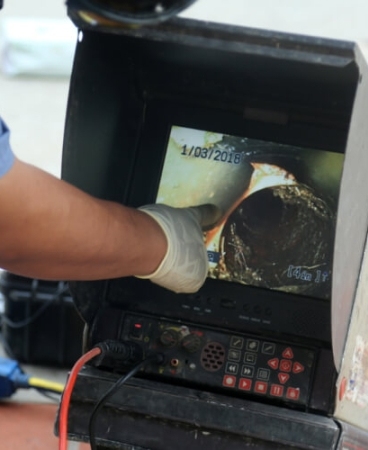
column 278, row 203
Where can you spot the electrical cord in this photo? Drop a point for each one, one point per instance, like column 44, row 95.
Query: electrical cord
column 65, row 401
column 54, row 397
column 24, row 323
column 92, row 421
column 46, row 385
column 13, row 377
column 61, row 289
column 107, row 351
column 43, row 387
column 42, row 391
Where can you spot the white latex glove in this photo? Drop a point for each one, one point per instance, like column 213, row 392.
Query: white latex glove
column 185, row 265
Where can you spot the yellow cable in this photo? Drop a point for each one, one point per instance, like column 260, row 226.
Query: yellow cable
column 45, row 384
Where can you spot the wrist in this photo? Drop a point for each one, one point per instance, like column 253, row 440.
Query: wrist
column 156, row 246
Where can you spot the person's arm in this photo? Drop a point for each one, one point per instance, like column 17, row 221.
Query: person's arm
column 52, row 230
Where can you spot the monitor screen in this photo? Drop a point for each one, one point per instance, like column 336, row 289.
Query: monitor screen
column 278, row 203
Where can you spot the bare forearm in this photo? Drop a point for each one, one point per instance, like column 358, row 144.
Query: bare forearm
column 52, row 230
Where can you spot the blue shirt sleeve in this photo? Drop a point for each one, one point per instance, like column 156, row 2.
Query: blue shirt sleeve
column 6, row 155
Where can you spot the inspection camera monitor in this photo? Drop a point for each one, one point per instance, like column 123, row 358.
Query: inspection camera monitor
column 278, row 223
column 185, row 114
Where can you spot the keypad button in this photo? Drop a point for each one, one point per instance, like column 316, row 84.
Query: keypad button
column 247, row 371
column 276, row 390
column 293, row 393
column 252, row 345
column 236, row 342
column 263, row 374
column 268, row 348
column 288, row 353
column 285, row 365
column 298, row 368
column 232, row 368
column 245, row 384
column 260, row 387
column 234, row 355
column 283, row 377
column 229, row 381
column 250, row 358
column 273, row 363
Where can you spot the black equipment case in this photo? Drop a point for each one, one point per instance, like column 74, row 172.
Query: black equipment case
column 246, row 366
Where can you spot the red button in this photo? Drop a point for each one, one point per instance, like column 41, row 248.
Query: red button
column 297, row 367
column 285, row 365
column 273, row 363
column 245, row 384
column 283, row 377
column 260, row 387
column 229, row 381
column 276, row 390
column 293, row 393
column 288, row 353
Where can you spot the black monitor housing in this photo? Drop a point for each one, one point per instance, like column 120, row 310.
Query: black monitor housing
column 188, row 112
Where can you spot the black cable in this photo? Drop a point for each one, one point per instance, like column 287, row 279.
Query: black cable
column 114, row 388
column 24, row 323
column 51, row 395
column 62, row 288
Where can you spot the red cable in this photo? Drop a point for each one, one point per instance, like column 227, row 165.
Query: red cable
column 65, row 401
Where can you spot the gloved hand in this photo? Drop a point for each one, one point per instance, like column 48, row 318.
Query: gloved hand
column 185, row 265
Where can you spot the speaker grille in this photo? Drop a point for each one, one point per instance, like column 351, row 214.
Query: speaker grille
column 213, row 356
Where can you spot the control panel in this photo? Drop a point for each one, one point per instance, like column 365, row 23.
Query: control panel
column 242, row 363
column 243, row 307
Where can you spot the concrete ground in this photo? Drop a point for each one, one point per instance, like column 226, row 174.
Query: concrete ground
column 34, row 108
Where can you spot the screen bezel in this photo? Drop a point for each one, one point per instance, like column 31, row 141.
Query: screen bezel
column 308, row 318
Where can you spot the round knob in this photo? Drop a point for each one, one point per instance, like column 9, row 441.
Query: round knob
column 169, row 338
column 191, row 343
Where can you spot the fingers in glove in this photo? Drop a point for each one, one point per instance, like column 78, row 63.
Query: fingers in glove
column 208, row 215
